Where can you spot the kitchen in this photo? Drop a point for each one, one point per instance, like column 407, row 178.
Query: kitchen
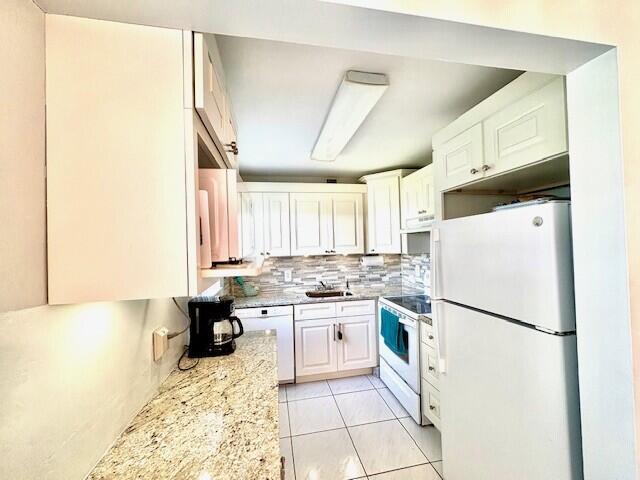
column 382, row 219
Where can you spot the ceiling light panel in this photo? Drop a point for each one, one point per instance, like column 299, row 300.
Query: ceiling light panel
column 357, row 95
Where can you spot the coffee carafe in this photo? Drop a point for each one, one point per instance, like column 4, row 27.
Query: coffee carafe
column 213, row 327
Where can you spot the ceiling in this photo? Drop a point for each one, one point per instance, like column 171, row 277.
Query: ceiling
column 281, row 93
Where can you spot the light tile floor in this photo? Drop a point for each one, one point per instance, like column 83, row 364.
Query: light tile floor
column 353, row 428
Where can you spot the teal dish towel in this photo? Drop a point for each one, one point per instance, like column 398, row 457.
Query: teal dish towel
column 392, row 332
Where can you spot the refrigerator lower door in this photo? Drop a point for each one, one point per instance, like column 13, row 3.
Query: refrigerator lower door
column 509, row 401
column 516, row 263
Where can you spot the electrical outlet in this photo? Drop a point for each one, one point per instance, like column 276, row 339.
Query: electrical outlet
column 160, row 342
column 288, row 275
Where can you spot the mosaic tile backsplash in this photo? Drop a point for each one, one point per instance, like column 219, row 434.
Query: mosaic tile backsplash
column 398, row 271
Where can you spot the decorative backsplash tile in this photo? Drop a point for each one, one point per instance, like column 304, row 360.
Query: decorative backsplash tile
column 398, row 271
column 307, row 272
column 416, row 272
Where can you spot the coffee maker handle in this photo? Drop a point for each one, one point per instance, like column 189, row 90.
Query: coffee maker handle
column 241, row 328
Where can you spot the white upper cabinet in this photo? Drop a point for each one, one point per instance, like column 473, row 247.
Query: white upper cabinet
column 460, row 159
column 521, row 124
column 276, row 224
column 310, row 224
column 117, row 195
column 211, row 98
column 326, row 223
column 417, row 196
column 348, row 223
column 383, row 212
column 252, row 221
column 526, row 131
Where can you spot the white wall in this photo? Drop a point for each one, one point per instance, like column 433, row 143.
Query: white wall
column 23, row 273
column 72, row 378
column 600, row 257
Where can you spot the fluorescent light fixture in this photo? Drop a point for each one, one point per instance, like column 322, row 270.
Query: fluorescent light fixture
column 357, row 95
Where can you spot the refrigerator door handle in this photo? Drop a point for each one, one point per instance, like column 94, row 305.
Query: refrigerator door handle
column 440, row 335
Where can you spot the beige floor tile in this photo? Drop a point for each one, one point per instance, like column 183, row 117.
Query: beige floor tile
column 283, row 420
column 376, row 382
column 363, row 407
column 287, row 453
column 393, row 403
column 350, row 384
column 282, row 393
column 421, row 472
column 326, row 456
column 301, row 391
column 314, row 415
column 427, row 438
column 438, row 467
column 385, row 446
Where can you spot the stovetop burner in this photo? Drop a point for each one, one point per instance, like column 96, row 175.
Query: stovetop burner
column 420, row 304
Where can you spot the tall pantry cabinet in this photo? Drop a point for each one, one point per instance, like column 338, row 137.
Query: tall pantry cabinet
column 123, row 147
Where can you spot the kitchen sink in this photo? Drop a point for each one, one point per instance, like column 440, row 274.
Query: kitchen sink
column 327, row 293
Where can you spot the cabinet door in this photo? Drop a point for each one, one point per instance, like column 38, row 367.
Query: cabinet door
column 531, row 129
column 425, row 193
column 460, row 160
column 409, row 189
column 383, row 226
column 209, row 95
column 348, row 223
column 276, row 224
column 315, row 347
column 357, row 348
column 252, row 225
column 311, row 224
column 116, row 225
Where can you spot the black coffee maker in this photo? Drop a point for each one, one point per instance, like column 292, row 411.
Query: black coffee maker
column 213, row 327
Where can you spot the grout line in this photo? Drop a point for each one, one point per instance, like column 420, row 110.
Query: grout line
column 351, row 438
column 293, row 458
column 414, row 440
column 403, row 468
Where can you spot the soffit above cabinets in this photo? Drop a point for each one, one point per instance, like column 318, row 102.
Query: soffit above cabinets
column 281, row 94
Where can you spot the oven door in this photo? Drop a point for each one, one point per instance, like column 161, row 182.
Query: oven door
column 406, row 366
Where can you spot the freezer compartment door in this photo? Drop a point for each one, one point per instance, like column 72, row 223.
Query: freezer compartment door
column 516, row 263
column 509, row 396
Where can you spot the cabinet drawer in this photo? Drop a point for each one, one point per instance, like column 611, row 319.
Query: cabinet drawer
column 428, row 334
column 264, row 311
column 431, row 403
column 358, row 307
column 310, row 311
column 429, row 364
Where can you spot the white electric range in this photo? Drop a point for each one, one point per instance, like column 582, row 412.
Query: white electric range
column 401, row 373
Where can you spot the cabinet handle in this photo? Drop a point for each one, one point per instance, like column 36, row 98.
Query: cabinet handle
column 334, row 332
column 430, row 337
column 485, row 168
column 233, row 147
column 339, row 331
column 432, row 407
column 268, row 253
column 473, row 171
column 431, row 369
column 332, row 251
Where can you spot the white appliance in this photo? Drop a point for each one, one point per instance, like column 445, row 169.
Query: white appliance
column 401, row 373
column 222, row 211
column 280, row 320
column 507, row 346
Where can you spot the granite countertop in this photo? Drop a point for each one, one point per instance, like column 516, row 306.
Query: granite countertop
column 295, row 298
column 216, row 421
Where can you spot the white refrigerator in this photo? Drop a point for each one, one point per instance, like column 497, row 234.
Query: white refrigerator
column 504, row 309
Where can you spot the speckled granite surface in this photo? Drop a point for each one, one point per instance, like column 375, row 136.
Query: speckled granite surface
column 217, row 421
column 284, row 298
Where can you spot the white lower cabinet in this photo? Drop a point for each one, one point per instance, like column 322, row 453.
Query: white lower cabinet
column 337, row 343
column 316, row 350
column 357, row 342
